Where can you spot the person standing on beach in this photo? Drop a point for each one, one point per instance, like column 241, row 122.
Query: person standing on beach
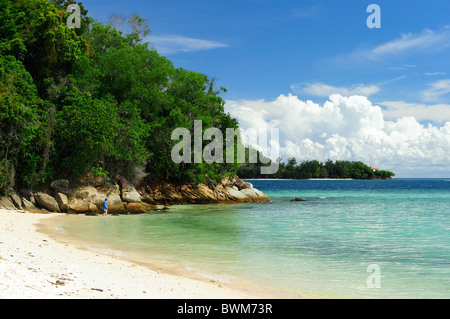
column 105, row 207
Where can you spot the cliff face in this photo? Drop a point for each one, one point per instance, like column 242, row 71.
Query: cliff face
column 124, row 198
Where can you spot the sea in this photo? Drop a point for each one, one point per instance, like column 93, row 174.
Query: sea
column 347, row 239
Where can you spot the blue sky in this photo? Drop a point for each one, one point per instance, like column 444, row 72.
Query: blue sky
column 261, row 50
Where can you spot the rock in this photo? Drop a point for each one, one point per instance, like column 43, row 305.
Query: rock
column 80, row 206
column 253, row 193
column 160, row 192
column 85, row 192
column 139, row 207
column 97, row 199
column 128, row 192
column 6, row 203
column 240, row 184
column 16, row 200
column 297, row 199
column 96, row 181
column 63, row 201
column 131, row 196
column 60, row 186
column 29, row 206
column 46, row 201
column 115, row 204
column 236, row 194
column 61, row 183
column 29, row 196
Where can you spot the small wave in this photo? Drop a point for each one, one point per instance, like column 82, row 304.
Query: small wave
column 106, row 251
column 210, row 277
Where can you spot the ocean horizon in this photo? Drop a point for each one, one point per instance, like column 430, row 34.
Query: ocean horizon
column 347, row 239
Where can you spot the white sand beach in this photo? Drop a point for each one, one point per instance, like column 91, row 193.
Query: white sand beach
column 34, row 265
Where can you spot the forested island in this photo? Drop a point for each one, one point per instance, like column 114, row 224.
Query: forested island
column 316, row 169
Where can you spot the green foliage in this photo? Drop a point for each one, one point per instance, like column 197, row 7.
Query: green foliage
column 315, row 169
column 23, row 126
column 94, row 101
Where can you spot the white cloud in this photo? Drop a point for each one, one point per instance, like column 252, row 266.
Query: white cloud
column 429, row 41
column 439, row 113
column 177, row 43
column 436, row 90
column 348, row 128
column 322, row 89
column 434, row 73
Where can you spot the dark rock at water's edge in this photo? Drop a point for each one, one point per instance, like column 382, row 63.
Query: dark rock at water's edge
column 297, row 199
column 87, row 195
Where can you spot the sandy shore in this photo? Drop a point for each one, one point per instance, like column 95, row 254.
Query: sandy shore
column 34, row 265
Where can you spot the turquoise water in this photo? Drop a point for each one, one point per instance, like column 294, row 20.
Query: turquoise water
column 349, row 239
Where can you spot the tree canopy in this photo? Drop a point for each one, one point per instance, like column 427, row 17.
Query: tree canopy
column 93, row 100
column 291, row 169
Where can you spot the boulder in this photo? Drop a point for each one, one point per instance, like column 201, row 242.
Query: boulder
column 139, row 207
column 97, row 199
column 6, row 203
column 240, row 184
column 80, row 206
column 61, row 183
column 239, row 195
column 253, row 192
column 46, row 201
column 29, row 206
column 255, row 195
column 26, row 194
column 85, row 192
column 131, row 196
column 128, row 192
column 115, row 204
column 16, row 200
column 60, row 186
column 63, row 201
column 297, row 199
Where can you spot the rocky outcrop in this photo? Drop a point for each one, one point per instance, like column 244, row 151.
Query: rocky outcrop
column 124, row 198
column 159, row 192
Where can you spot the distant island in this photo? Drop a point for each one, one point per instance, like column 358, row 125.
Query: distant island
column 315, row 169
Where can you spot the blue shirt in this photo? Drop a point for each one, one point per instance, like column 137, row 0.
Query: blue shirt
column 105, row 205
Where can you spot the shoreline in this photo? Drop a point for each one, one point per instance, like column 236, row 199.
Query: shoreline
column 37, row 263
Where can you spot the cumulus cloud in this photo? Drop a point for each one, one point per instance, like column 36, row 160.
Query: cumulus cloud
column 348, row 128
column 439, row 113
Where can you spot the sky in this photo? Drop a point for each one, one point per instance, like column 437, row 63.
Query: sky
column 335, row 88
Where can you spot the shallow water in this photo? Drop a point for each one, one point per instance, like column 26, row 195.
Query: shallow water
column 349, row 239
